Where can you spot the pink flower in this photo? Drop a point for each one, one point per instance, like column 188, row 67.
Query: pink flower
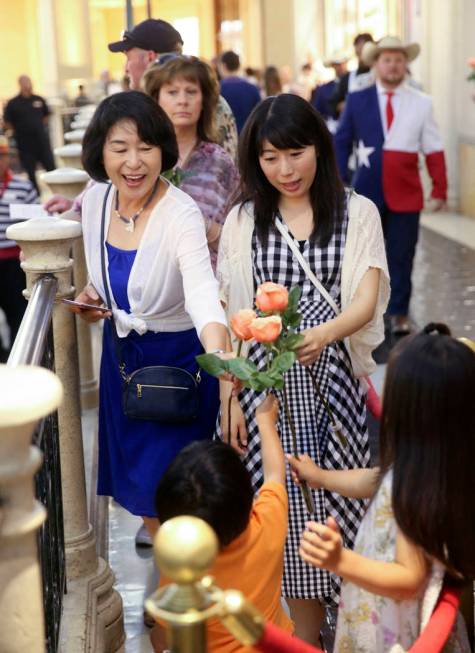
column 266, row 329
column 471, row 62
column 240, row 323
column 272, row 297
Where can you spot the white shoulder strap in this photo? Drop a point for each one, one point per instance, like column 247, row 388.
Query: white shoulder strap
column 306, row 268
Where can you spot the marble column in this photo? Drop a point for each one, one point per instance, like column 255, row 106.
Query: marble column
column 27, row 394
column 69, row 182
column 93, row 609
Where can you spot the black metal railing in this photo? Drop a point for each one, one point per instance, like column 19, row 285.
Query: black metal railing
column 34, row 346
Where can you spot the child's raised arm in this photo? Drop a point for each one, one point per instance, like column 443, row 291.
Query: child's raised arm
column 353, row 483
column 273, row 460
column 321, row 546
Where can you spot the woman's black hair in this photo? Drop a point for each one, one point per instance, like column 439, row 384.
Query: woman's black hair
column 290, row 122
column 428, row 439
column 153, row 127
column 208, row 480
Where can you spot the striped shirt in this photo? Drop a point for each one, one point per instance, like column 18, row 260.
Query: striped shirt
column 17, row 191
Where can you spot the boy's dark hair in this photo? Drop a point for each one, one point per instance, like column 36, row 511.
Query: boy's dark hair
column 428, row 439
column 231, row 60
column 290, row 122
column 208, row 480
column 153, row 127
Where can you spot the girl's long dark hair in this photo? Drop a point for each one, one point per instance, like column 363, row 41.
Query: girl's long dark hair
column 428, row 439
column 288, row 121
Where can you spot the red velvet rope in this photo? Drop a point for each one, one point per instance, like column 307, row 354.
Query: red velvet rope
column 436, row 633
column 275, row 640
column 431, row 640
column 373, row 401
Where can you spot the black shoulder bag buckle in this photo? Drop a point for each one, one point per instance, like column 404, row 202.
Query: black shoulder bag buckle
column 158, row 392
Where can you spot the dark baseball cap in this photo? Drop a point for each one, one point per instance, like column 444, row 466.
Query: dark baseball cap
column 150, row 34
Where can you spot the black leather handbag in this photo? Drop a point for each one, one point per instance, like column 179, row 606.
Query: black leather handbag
column 156, row 392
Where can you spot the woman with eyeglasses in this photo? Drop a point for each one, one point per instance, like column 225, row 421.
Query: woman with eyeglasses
column 187, row 90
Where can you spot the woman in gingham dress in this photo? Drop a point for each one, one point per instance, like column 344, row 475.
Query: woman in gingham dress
column 285, row 179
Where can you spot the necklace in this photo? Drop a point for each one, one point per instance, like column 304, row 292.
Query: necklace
column 183, row 160
column 130, row 222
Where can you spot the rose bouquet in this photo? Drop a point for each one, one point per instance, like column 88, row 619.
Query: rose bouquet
column 274, row 325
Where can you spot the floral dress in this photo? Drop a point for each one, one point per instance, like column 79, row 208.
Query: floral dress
column 368, row 623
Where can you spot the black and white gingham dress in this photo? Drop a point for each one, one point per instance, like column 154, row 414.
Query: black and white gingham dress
column 276, row 263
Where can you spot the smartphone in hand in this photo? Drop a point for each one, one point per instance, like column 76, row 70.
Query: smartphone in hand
column 85, row 307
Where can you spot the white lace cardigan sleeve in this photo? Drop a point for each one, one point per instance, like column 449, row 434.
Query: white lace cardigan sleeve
column 364, row 249
column 234, row 268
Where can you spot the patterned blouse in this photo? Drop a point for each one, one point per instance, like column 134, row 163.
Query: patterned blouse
column 226, row 128
column 210, row 177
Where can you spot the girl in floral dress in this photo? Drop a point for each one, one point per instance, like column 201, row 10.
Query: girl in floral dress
column 419, row 527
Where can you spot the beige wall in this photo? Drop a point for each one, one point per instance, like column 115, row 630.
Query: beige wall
column 444, row 29
column 20, row 46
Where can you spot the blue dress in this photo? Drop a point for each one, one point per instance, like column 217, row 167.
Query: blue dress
column 133, row 454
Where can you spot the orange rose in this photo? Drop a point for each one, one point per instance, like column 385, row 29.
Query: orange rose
column 471, row 62
column 272, row 297
column 240, row 323
column 266, row 329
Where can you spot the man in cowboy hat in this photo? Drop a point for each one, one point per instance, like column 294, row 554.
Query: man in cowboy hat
column 322, row 95
column 354, row 80
column 13, row 190
column 390, row 123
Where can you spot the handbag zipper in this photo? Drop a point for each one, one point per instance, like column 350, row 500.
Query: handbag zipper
column 149, row 385
column 196, row 378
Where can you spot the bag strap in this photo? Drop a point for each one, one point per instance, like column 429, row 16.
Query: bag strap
column 305, row 266
column 105, row 281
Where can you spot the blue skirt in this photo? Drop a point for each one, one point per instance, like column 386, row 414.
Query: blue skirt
column 134, row 454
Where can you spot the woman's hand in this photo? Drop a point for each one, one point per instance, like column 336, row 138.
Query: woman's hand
column 304, row 469
column 58, row 204
column 89, row 296
column 322, row 546
column 237, row 426
column 315, row 340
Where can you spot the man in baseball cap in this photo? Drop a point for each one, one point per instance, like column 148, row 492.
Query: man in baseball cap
column 142, row 45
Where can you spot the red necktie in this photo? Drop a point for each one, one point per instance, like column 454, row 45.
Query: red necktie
column 389, row 110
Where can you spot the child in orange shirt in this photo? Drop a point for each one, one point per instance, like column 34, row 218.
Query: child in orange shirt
column 208, row 480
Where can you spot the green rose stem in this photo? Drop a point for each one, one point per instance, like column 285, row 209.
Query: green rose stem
column 231, row 398
column 336, row 428
column 307, row 495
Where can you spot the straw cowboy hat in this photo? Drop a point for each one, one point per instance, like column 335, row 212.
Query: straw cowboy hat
column 371, row 51
column 335, row 58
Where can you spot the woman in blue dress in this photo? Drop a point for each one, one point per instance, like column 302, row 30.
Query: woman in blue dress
column 163, row 291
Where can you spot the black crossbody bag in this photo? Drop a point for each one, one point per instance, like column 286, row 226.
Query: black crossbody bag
column 157, row 392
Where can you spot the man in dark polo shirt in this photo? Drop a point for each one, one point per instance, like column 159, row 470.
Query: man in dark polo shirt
column 27, row 114
column 241, row 95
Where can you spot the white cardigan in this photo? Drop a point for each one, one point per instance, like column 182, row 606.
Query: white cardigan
column 364, row 249
column 171, row 285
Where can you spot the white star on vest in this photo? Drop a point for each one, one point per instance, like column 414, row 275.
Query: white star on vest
column 363, row 153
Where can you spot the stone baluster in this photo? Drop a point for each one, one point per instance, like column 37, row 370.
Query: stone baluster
column 27, row 394
column 92, row 604
column 70, row 155
column 69, row 182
